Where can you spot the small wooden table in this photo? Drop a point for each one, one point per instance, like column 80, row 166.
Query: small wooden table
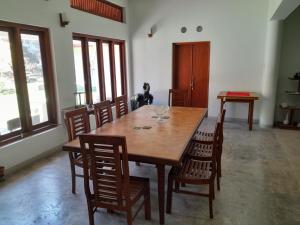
column 163, row 144
column 245, row 97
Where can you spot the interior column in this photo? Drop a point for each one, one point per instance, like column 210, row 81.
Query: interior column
column 270, row 73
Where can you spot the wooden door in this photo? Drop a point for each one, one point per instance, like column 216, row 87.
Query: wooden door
column 191, row 71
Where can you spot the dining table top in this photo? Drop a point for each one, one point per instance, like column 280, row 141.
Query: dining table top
column 237, row 95
column 149, row 139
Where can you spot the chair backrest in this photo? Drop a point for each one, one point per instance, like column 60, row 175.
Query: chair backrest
column 178, row 97
column 103, row 113
column 108, row 172
column 121, row 106
column 77, row 122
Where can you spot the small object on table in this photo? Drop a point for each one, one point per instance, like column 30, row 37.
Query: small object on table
column 289, row 122
column 137, row 128
column 140, row 100
column 243, row 97
column 147, row 127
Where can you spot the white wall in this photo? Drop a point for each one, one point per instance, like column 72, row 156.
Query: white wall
column 273, row 6
column 45, row 13
column 236, row 29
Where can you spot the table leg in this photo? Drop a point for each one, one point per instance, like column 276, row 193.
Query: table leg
column 249, row 112
column 222, row 105
column 161, row 192
column 251, row 107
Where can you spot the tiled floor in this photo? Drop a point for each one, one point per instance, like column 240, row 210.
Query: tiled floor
column 260, row 186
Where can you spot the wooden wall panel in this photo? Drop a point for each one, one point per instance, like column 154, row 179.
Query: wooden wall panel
column 99, row 7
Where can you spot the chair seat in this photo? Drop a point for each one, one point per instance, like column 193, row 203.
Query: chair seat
column 137, row 187
column 193, row 172
column 205, row 132
column 199, row 150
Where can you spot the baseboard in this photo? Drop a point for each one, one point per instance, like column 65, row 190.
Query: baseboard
column 239, row 120
column 10, row 171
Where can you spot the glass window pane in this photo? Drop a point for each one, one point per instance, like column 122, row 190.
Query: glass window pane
column 94, row 71
column 35, row 78
column 107, row 75
column 77, row 49
column 118, row 69
column 9, row 118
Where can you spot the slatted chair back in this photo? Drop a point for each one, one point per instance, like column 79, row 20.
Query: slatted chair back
column 109, row 173
column 103, row 113
column 121, row 106
column 215, row 141
column 77, row 122
column 211, row 157
column 178, row 97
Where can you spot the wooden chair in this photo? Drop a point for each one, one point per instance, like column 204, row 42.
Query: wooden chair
column 200, row 171
column 113, row 188
column 121, row 106
column 178, row 97
column 204, row 136
column 77, row 122
column 103, row 113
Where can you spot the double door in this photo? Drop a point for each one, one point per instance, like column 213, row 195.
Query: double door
column 191, row 71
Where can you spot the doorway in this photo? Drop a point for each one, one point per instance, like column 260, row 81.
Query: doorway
column 191, row 61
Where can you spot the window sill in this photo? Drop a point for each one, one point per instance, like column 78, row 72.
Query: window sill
column 22, row 136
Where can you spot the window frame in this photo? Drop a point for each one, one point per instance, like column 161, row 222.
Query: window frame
column 26, row 128
column 85, row 39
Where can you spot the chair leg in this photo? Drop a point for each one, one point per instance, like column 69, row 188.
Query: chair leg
column 169, row 195
column 91, row 214
column 147, row 203
column 129, row 217
column 110, row 211
column 177, row 186
column 73, row 172
column 213, row 190
column 218, row 172
column 219, row 161
column 211, row 201
column 138, row 164
column 218, row 182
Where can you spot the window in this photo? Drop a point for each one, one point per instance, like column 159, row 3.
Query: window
column 101, row 8
column 117, row 53
column 107, row 72
column 99, row 67
column 26, row 82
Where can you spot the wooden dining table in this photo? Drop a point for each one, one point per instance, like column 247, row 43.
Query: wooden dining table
column 241, row 97
column 153, row 141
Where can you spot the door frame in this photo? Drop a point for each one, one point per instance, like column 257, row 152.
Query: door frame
column 173, row 63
